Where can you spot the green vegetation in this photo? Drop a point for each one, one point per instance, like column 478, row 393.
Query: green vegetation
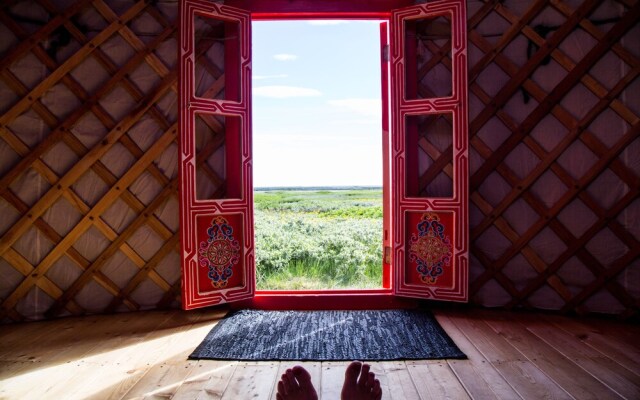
column 318, row 239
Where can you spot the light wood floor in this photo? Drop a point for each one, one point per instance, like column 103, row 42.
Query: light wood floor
column 144, row 355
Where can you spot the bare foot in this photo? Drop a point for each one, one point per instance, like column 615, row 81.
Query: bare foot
column 295, row 384
column 360, row 383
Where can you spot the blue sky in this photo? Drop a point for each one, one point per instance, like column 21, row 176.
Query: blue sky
column 316, row 103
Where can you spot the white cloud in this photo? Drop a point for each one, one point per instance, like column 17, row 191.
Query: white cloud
column 365, row 107
column 260, row 77
column 320, row 22
column 283, row 92
column 285, row 57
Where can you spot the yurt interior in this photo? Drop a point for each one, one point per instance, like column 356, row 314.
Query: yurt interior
column 509, row 203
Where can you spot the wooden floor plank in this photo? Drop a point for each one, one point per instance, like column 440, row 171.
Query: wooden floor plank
column 156, row 346
column 603, row 338
column 252, row 381
column 69, row 355
column 477, row 374
column 165, row 376
column 434, row 380
column 399, row 382
column 161, row 381
column 332, row 379
column 37, row 337
column 381, row 374
column 208, row 380
column 119, row 357
column 30, row 334
column 625, row 332
column 607, row 371
column 573, row 379
column 144, row 355
column 524, row 377
column 180, row 335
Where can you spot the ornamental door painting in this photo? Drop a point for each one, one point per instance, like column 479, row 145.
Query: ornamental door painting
column 216, row 192
column 429, row 151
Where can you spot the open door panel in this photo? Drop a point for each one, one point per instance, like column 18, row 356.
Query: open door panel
column 386, row 156
column 429, row 152
column 216, row 191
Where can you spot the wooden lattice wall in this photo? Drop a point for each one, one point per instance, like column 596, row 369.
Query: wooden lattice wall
column 96, row 131
column 554, row 159
column 88, row 158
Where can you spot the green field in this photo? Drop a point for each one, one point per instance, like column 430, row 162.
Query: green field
column 318, row 239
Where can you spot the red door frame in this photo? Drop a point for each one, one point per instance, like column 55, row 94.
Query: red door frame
column 343, row 298
column 351, row 299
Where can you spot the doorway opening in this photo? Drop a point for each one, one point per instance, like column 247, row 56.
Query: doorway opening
column 317, row 154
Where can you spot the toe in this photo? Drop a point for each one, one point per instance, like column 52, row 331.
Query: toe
column 282, row 391
column 371, row 380
column 376, row 391
column 364, row 375
column 352, row 372
column 286, row 382
column 304, row 381
column 302, row 376
column 293, row 384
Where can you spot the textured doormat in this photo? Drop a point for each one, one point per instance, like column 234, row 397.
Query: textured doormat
column 327, row 336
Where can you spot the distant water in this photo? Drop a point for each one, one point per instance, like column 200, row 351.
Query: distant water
column 272, row 188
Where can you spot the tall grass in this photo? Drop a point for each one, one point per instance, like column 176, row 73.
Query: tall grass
column 318, row 239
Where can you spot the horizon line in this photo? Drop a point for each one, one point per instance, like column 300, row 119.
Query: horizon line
column 319, row 187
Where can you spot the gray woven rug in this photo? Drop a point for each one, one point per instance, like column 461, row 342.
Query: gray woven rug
column 327, row 336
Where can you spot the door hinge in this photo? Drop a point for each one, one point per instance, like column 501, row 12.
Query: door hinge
column 387, row 254
column 385, row 53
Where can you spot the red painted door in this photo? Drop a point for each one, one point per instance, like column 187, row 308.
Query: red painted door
column 386, row 157
column 215, row 186
column 429, row 151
